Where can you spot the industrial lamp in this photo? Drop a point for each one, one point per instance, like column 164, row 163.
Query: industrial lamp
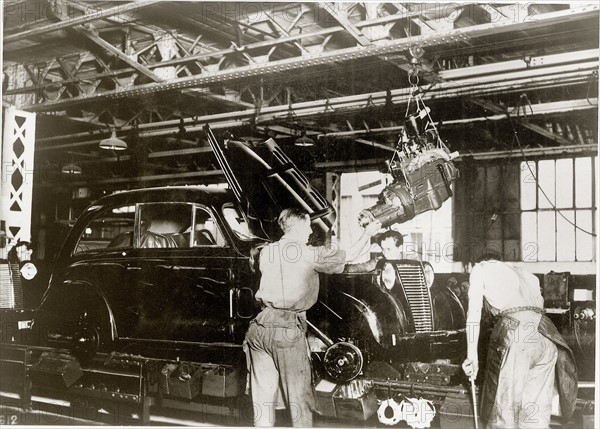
column 71, row 168
column 304, row 140
column 113, row 142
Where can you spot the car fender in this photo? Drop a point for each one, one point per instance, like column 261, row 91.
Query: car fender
column 68, row 300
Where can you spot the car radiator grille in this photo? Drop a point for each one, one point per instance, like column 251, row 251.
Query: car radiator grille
column 11, row 292
column 417, row 295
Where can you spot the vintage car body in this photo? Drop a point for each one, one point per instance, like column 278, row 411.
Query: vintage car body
column 165, row 273
column 195, row 301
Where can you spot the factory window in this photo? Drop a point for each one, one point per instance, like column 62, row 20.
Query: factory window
column 487, row 214
column 558, row 209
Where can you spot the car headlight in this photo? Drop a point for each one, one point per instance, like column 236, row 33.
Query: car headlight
column 388, row 276
column 429, row 274
column 28, row 271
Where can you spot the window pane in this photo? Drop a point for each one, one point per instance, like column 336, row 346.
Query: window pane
column 164, row 225
column 528, row 187
column 529, row 236
column 206, row 231
column 583, row 182
column 583, row 239
column 546, row 236
column 546, row 180
column 564, row 184
column 565, row 236
column 112, row 228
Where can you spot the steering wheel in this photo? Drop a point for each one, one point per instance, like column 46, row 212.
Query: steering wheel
column 208, row 235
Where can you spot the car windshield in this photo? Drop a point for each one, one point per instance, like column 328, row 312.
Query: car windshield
column 237, row 222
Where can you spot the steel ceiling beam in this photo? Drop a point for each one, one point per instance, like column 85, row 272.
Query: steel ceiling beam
column 355, row 102
column 216, row 123
column 68, row 23
column 117, row 52
column 374, row 163
column 569, row 74
column 334, row 9
column 464, row 35
column 496, row 108
column 220, row 53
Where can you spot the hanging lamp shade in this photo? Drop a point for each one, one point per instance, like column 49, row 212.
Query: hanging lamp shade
column 304, row 140
column 113, row 142
column 71, row 168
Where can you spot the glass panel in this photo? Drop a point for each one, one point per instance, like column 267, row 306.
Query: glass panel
column 206, row 230
column 583, row 239
column 546, row 236
column 237, row 222
column 583, row 182
column 564, row 184
column 164, row 225
column 528, row 186
column 565, row 235
column 529, row 236
column 546, row 180
column 113, row 228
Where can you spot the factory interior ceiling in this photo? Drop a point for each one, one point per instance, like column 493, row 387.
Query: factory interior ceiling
column 330, row 82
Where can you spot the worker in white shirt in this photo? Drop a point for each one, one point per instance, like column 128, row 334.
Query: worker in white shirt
column 276, row 347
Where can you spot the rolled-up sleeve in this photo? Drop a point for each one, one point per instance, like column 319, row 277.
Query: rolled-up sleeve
column 329, row 259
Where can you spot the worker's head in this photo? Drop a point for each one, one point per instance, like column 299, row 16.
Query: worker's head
column 21, row 252
column 391, row 244
column 295, row 223
column 489, row 255
column 452, row 284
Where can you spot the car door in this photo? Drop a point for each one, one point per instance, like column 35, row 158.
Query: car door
column 179, row 281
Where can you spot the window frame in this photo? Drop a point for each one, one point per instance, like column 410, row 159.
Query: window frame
column 590, row 211
column 136, row 228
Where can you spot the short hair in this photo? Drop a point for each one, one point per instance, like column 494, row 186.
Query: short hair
column 289, row 217
column 489, row 256
column 398, row 239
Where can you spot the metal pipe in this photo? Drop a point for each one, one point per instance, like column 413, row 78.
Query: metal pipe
column 474, row 396
column 420, row 387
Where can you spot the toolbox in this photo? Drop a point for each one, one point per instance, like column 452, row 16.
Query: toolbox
column 181, row 380
column 324, row 403
column 56, row 369
column 223, row 381
column 355, row 400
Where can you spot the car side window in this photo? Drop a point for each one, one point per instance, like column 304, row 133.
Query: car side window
column 163, row 225
column 206, row 230
column 112, row 227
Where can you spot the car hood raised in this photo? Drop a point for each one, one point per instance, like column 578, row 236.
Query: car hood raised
column 265, row 181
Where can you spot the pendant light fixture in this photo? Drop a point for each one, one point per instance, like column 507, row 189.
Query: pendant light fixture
column 113, row 142
column 72, row 169
column 304, row 140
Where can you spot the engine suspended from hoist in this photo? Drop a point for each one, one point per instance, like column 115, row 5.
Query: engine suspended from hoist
column 422, row 172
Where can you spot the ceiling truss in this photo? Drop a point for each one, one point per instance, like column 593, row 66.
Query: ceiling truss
column 343, row 74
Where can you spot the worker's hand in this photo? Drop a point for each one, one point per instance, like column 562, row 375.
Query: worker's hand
column 372, row 228
column 470, row 367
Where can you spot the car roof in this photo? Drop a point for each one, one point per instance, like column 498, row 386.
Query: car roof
column 193, row 193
